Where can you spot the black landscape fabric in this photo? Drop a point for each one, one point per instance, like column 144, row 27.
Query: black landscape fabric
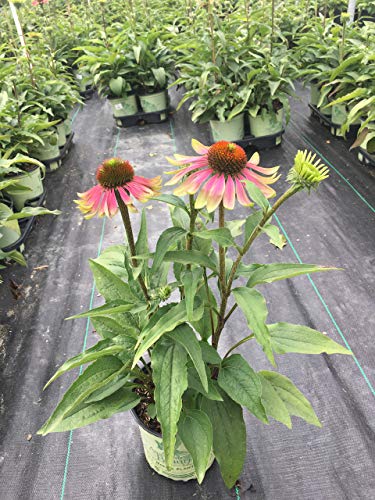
column 333, row 226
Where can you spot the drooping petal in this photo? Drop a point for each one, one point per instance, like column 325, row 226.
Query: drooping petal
column 153, row 183
column 229, row 197
column 251, row 176
column 180, row 174
column 198, row 147
column 112, row 203
column 202, row 197
column 216, row 192
column 181, row 160
column 125, row 197
column 262, row 170
column 255, row 159
column 241, row 194
column 192, row 184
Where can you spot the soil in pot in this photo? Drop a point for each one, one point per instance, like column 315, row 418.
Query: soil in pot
column 152, row 103
column 150, row 430
column 124, row 106
column 232, row 130
column 10, row 231
column 32, row 179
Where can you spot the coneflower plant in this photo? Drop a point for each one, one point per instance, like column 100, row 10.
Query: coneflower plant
column 163, row 350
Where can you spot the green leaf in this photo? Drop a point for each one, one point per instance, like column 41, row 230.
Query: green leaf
column 160, row 76
column 185, row 336
column 204, row 326
column 190, row 280
column 172, row 199
column 170, row 378
column 286, row 337
column 190, row 257
column 257, row 196
column 242, row 384
column 116, row 85
column 209, row 354
column 175, row 315
column 195, row 431
column 195, row 383
column 109, row 327
column 251, row 223
column 229, row 436
column 253, row 305
column 102, row 348
column 122, row 400
column 167, row 239
column 141, row 247
column 110, row 285
column 110, row 308
column 97, row 375
column 222, row 236
column 273, row 404
column 31, row 212
column 113, row 259
column 293, row 399
column 235, row 227
column 276, row 238
column 268, row 273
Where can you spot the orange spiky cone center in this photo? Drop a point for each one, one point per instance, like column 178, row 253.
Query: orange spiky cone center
column 227, row 158
column 114, row 173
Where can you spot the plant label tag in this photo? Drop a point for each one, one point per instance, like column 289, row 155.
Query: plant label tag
column 79, row 77
column 118, row 105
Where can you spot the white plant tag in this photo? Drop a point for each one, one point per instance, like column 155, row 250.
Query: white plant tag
column 118, row 105
column 79, row 77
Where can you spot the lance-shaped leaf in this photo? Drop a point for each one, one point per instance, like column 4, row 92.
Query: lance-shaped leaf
column 257, row 196
column 108, row 327
column 196, row 384
column 172, row 199
column 242, row 384
column 229, row 436
column 293, row 399
column 268, row 273
column 170, row 378
column 273, row 404
column 122, row 400
column 110, row 285
column 97, row 375
column 167, row 239
column 195, row 431
column 191, row 257
column 253, row 305
column 286, row 337
column 113, row 258
column 222, row 236
column 107, row 347
column 190, row 279
column 251, row 223
column 276, row 238
column 186, row 337
column 174, row 316
column 114, row 307
column 31, row 212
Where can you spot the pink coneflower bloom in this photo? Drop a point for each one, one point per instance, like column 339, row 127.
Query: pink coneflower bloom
column 219, row 175
column 116, row 174
column 34, row 3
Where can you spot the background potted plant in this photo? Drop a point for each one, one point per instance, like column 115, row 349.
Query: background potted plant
column 161, row 324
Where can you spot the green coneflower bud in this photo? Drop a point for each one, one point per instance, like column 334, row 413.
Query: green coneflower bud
column 306, row 172
column 164, row 292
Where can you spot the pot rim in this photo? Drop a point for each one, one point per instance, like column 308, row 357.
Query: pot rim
column 23, row 173
column 121, row 98
column 149, row 94
column 144, row 427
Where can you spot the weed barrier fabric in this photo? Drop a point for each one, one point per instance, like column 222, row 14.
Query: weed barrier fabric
column 333, row 226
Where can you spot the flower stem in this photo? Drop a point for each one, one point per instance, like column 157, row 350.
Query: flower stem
column 193, row 217
column 129, row 234
column 222, row 251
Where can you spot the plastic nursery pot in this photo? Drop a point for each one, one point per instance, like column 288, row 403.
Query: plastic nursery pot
column 33, row 180
column 48, row 152
column 61, row 134
column 124, row 106
column 339, row 114
column 363, row 147
column 266, row 123
column 182, row 468
column 151, row 103
column 68, row 126
column 314, row 94
column 232, row 130
column 10, row 231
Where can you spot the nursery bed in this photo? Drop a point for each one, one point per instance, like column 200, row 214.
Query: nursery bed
column 105, row 461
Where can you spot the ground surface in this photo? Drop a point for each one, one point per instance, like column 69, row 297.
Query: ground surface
column 105, row 461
